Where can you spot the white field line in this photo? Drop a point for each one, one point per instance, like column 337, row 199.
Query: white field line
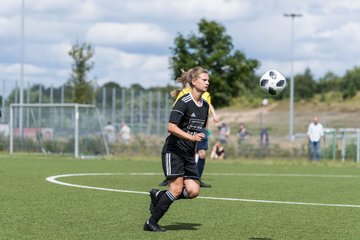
column 53, row 179
column 283, row 175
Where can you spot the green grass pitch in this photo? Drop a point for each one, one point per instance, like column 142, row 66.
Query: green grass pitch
column 34, row 208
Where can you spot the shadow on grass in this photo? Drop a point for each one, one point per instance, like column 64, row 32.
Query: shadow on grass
column 260, row 238
column 182, row 226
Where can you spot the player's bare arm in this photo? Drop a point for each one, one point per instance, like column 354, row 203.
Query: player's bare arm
column 213, row 113
column 175, row 130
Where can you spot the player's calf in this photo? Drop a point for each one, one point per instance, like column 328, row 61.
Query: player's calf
column 155, row 195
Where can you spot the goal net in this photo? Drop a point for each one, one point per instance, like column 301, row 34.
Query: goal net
column 57, row 128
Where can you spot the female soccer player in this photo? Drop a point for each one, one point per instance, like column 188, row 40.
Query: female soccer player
column 187, row 119
column 202, row 146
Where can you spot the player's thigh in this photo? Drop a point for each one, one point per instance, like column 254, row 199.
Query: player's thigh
column 191, row 170
column 173, row 165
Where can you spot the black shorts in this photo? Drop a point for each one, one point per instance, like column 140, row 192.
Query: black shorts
column 176, row 166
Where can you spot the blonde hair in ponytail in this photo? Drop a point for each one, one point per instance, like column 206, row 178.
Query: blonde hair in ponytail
column 187, row 77
column 191, row 74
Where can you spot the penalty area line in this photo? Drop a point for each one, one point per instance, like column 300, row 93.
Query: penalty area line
column 53, row 179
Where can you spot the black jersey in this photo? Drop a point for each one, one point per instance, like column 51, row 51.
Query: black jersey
column 191, row 118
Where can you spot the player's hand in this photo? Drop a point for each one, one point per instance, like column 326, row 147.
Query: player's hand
column 198, row 137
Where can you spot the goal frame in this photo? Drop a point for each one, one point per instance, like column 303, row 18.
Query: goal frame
column 76, row 108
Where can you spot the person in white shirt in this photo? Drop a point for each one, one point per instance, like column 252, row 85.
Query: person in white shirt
column 109, row 131
column 315, row 133
column 125, row 133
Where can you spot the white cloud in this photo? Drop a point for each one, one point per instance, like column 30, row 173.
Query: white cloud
column 115, row 59
column 132, row 37
column 87, row 11
column 181, row 11
column 10, row 29
column 129, row 33
column 8, row 8
column 51, row 54
column 15, row 69
column 50, row 6
column 347, row 32
column 65, row 10
column 126, row 68
column 6, row 28
column 215, row 9
column 50, row 32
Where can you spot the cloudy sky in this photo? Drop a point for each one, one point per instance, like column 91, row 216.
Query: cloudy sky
column 132, row 38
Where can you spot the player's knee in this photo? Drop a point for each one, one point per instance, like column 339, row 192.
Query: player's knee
column 193, row 192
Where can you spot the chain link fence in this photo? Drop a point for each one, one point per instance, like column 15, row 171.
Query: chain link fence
column 147, row 113
column 341, row 140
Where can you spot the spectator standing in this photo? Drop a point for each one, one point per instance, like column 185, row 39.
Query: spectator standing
column 243, row 133
column 264, row 137
column 315, row 133
column 109, row 131
column 125, row 133
column 224, row 132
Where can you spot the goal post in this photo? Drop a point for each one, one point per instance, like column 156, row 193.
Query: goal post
column 67, row 128
column 350, row 136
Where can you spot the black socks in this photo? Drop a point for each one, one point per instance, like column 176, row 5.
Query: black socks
column 200, row 166
column 166, row 199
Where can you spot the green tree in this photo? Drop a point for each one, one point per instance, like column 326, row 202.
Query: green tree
column 231, row 73
column 351, row 83
column 34, row 94
column 83, row 91
column 330, row 82
column 137, row 87
column 109, row 86
column 305, row 85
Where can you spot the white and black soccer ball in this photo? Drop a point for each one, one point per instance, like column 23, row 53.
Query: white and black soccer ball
column 272, row 82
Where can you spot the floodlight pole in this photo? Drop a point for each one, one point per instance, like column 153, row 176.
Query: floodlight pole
column 22, row 54
column 291, row 123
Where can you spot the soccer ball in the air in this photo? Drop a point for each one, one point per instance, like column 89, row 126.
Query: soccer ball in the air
column 272, row 82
